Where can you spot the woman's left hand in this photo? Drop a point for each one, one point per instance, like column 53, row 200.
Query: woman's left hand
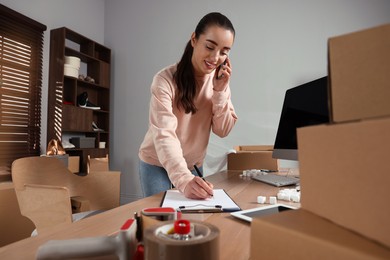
column 221, row 83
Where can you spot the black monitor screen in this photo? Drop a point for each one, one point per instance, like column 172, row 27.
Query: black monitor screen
column 303, row 105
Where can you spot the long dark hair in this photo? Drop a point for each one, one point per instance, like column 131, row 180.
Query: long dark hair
column 184, row 76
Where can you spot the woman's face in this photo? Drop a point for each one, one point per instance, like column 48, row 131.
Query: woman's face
column 211, row 49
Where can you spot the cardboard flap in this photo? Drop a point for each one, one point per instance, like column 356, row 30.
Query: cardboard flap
column 253, row 148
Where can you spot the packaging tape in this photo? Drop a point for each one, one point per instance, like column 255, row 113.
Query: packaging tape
column 204, row 244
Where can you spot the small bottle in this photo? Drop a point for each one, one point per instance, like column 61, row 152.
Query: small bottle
column 182, row 229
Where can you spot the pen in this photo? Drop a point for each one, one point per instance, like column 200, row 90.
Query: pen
column 200, row 174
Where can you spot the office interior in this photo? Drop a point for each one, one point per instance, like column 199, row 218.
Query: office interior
column 278, row 45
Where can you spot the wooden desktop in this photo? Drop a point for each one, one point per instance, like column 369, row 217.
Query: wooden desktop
column 234, row 233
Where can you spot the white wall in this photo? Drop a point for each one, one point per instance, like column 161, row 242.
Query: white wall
column 279, row 44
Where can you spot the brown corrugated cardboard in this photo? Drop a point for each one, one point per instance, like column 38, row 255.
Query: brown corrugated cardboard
column 344, row 170
column 98, row 164
column 64, row 158
column 359, row 70
column 74, row 164
column 252, row 157
column 300, row 234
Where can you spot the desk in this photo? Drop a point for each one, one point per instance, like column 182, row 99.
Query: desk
column 234, row 233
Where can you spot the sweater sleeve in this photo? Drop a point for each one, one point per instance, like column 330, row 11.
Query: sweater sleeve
column 163, row 125
column 224, row 116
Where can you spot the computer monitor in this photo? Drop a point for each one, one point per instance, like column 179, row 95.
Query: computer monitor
column 304, row 105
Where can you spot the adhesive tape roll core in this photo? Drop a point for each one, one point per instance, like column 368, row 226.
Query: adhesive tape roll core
column 204, row 245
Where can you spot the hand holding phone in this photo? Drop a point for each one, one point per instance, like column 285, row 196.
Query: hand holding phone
column 220, row 70
column 222, row 75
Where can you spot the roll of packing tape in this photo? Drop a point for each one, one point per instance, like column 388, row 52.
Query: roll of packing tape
column 203, row 244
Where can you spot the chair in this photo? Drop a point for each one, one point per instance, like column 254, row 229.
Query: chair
column 45, row 187
column 13, row 225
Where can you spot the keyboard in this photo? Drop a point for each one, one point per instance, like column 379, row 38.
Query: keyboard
column 276, row 180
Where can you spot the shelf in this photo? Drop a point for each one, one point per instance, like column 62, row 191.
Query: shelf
column 86, row 132
column 89, row 84
column 65, row 116
column 84, row 83
column 84, row 46
column 83, row 149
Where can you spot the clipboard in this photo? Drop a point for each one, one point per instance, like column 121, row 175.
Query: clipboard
column 220, row 202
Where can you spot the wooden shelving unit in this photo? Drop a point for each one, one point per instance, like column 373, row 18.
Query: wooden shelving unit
column 65, row 117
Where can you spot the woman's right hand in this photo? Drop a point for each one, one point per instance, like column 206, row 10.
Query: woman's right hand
column 198, row 188
column 220, row 84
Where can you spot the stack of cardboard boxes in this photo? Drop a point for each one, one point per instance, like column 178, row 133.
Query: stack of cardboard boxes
column 344, row 165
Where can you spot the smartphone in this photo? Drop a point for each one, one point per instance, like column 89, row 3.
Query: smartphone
column 219, row 70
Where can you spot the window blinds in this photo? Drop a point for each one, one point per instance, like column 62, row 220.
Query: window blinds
column 21, row 41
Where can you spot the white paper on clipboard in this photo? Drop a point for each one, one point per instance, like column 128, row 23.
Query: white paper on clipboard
column 220, row 202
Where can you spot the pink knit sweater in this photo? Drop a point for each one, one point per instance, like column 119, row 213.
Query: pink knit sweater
column 176, row 140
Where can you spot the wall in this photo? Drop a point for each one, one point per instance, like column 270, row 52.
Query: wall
column 279, row 44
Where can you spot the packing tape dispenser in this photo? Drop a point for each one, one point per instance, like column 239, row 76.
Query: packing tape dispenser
column 181, row 239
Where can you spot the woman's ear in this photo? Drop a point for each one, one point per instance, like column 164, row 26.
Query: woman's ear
column 193, row 39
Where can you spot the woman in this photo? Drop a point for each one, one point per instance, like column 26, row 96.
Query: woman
column 189, row 100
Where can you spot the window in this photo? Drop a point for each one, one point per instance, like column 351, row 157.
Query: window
column 21, row 40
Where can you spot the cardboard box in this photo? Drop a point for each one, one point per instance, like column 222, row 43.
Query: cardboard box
column 83, row 142
column 345, row 175
column 74, row 164
column 98, row 164
column 64, row 158
column 299, row 234
column 252, row 157
column 344, row 168
column 359, row 70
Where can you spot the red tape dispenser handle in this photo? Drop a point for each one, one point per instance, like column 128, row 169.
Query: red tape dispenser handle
column 162, row 213
column 182, row 227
